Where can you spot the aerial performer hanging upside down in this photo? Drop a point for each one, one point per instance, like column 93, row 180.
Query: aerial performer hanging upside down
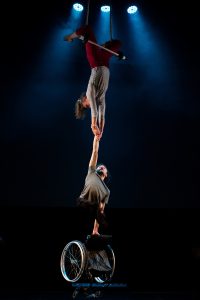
column 98, row 58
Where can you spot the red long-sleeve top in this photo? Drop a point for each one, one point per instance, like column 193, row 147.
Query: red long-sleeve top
column 95, row 55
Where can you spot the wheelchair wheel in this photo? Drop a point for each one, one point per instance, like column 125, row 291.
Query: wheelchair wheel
column 73, row 261
column 110, row 257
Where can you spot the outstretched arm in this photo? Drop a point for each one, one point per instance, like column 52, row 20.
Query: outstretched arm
column 93, row 163
column 101, row 119
column 82, row 31
column 101, row 216
column 95, row 150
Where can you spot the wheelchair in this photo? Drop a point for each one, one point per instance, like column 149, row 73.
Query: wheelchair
column 91, row 261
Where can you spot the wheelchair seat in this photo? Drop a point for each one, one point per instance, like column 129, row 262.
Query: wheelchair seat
column 97, row 242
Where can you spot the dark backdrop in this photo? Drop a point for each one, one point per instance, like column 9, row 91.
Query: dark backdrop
column 153, row 249
column 151, row 138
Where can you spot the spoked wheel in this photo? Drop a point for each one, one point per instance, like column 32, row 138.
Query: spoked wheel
column 73, row 261
column 107, row 259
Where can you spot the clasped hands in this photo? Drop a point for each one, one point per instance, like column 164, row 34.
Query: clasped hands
column 96, row 131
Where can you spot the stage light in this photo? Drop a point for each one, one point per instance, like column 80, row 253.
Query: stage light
column 105, row 8
column 132, row 9
column 78, row 7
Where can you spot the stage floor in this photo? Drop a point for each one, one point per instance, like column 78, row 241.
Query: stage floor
column 123, row 294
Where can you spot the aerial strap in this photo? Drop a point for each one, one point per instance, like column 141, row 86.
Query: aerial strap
column 84, row 39
column 88, row 11
column 111, row 21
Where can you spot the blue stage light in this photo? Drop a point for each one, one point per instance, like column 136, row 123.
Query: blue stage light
column 78, row 7
column 132, row 9
column 105, row 8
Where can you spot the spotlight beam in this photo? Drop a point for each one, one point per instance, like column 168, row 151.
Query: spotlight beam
column 81, row 37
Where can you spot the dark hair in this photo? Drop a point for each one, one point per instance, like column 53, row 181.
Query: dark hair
column 80, row 111
column 99, row 172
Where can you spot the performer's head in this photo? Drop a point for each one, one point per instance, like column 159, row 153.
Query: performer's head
column 102, row 171
column 81, row 105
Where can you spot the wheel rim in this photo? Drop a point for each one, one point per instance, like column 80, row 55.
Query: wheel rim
column 105, row 277
column 73, row 261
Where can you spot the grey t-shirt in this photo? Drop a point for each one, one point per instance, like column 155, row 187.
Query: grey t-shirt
column 95, row 189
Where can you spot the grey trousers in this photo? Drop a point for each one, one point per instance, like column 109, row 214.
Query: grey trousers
column 96, row 90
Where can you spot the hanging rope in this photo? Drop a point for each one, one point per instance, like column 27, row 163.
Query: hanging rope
column 88, row 11
column 120, row 55
column 111, row 21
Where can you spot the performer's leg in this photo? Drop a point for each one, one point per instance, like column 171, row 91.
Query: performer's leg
column 86, row 217
column 102, row 82
column 91, row 92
